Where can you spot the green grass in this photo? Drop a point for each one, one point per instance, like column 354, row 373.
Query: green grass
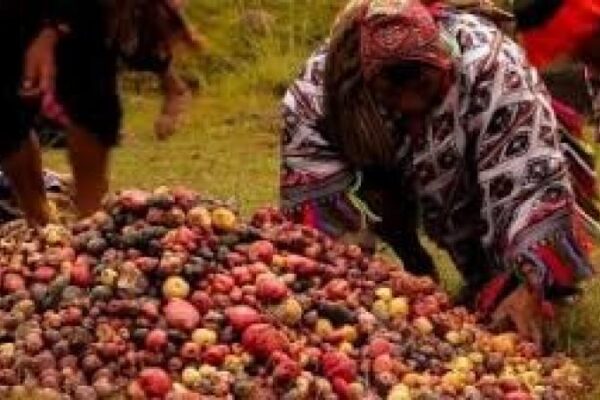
column 228, row 143
column 226, row 149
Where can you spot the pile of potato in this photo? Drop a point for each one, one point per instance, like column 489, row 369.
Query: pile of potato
column 166, row 294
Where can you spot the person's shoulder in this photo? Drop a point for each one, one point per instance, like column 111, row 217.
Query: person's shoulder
column 472, row 32
column 304, row 95
column 480, row 44
column 314, row 68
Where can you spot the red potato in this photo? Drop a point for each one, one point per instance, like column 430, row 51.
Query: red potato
column 155, row 216
column 81, row 274
column 215, row 354
column 270, row 288
column 302, row 266
column 426, row 307
column 133, row 200
column 146, row 264
column 223, row 283
column 202, row 301
column 242, row 316
column 44, row 274
column 242, row 275
column 378, row 347
column 150, row 309
column 258, row 268
column 183, row 236
column 286, row 369
column 236, row 295
column 342, row 388
column 382, row 364
column 190, row 351
column 337, row 289
column 261, row 250
column 156, row 340
column 72, row 316
column 338, row 365
column 181, row 314
column 235, row 259
column 12, row 283
column 262, row 340
column 184, row 197
column 155, row 382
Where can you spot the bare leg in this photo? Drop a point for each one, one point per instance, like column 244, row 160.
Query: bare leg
column 24, row 170
column 175, row 96
column 89, row 162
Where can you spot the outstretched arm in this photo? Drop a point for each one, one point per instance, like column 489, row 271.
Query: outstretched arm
column 528, row 203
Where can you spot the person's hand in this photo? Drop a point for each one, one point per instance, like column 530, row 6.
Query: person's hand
column 165, row 126
column 523, row 309
column 39, row 69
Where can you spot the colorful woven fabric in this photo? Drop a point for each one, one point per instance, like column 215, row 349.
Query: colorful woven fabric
column 490, row 167
column 315, row 180
column 395, row 31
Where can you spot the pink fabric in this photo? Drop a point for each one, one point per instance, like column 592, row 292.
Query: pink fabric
column 53, row 110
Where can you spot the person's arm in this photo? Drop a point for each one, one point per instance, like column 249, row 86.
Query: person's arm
column 39, row 69
column 315, row 179
column 528, row 205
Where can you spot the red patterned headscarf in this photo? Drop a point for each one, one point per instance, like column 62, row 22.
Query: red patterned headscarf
column 397, row 31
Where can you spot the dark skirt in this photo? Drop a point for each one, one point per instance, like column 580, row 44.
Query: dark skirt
column 86, row 73
column 17, row 28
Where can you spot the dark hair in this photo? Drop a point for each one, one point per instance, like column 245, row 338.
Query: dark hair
column 352, row 119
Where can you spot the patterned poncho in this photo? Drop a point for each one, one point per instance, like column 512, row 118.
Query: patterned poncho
column 490, row 164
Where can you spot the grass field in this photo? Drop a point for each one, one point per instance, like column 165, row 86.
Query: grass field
column 228, row 143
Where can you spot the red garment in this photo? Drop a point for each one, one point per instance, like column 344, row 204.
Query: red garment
column 52, row 109
column 568, row 117
column 574, row 23
column 396, row 31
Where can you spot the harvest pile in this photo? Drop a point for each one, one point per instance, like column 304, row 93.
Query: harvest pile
column 167, row 295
